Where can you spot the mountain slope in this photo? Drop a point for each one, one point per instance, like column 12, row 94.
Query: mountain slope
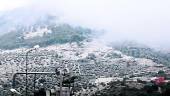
column 43, row 36
column 142, row 51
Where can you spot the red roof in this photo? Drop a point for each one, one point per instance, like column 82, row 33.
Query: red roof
column 160, row 80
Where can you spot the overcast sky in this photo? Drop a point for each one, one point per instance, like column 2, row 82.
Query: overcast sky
column 146, row 21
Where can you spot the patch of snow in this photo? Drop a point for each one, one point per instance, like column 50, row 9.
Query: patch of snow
column 40, row 32
column 107, row 80
column 103, row 80
column 19, row 50
column 143, row 61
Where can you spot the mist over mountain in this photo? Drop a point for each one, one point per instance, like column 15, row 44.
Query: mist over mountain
column 121, row 21
column 26, row 27
column 43, row 35
column 25, row 17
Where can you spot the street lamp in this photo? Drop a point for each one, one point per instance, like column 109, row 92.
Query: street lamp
column 15, row 92
column 26, row 63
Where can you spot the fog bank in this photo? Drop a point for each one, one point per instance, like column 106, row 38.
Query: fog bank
column 145, row 21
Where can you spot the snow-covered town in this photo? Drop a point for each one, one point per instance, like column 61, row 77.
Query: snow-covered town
column 93, row 62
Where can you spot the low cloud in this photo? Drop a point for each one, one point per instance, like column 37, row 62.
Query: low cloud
column 142, row 21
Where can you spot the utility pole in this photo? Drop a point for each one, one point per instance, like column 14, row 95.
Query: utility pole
column 61, row 84
column 26, row 63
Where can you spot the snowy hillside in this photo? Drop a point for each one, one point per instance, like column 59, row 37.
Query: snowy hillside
column 91, row 57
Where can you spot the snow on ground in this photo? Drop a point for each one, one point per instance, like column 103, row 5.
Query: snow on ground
column 69, row 51
column 40, row 32
column 103, row 80
column 143, row 61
